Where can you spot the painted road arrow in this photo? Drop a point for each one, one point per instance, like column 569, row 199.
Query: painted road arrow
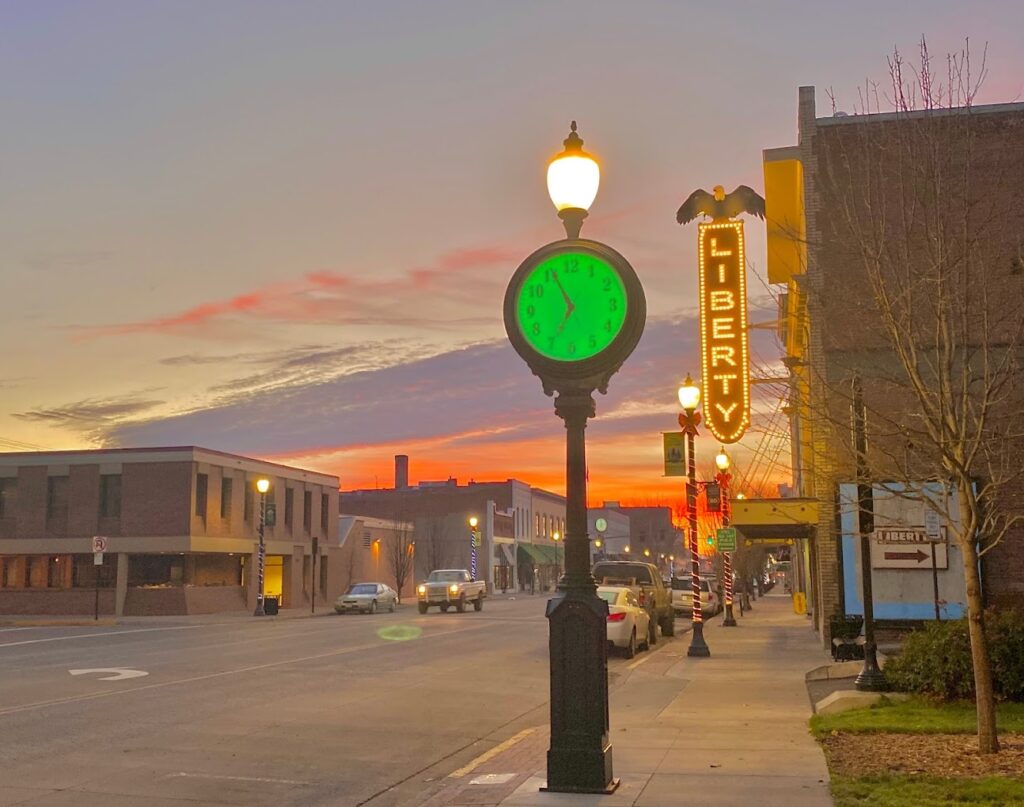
column 917, row 555
column 119, row 673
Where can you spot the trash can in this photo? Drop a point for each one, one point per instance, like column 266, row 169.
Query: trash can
column 270, row 606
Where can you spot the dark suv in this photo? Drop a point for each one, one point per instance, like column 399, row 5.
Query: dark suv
column 650, row 590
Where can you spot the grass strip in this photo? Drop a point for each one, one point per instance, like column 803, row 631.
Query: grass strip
column 917, row 716
column 895, row 790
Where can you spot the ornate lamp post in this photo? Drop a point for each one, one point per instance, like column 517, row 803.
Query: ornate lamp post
column 574, row 311
column 262, row 486
column 722, row 462
column 689, row 399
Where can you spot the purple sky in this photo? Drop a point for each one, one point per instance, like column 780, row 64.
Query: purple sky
column 284, row 229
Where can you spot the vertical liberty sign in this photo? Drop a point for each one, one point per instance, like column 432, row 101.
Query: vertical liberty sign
column 725, row 355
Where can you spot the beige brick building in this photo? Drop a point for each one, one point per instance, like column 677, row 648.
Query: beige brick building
column 181, row 525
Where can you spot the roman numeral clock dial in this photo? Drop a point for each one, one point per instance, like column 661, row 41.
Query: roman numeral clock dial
column 574, row 308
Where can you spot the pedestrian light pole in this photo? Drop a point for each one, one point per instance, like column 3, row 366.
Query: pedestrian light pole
column 722, row 462
column 262, row 486
column 556, row 537
column 689, row 399
column 474, row 542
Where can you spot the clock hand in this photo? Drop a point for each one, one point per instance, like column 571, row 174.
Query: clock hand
column 569, row 307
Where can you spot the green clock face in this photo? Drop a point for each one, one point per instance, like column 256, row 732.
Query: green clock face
column 571, row 306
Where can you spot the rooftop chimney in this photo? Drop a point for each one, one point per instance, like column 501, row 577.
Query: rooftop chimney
column 401, row 471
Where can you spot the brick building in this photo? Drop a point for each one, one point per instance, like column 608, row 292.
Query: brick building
column 181, row 525
column 855, row 174
column 518, row 525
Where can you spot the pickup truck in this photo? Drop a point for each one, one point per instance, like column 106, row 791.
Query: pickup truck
column 645, row 581
column 448, row 587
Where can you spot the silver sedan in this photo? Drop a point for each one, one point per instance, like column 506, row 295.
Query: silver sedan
column 367, row 598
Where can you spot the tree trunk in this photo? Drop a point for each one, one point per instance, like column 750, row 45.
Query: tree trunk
column 988, row 741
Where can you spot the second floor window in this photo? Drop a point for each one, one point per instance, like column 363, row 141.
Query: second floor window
column 289, row 507
column 57, row 497
column 110, row 496
column 325, row 512
column 202, row 485
column 247, row 507
column 307, row 510
column 225, row 498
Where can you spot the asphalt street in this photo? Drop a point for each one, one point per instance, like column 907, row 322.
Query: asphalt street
column 329, row 710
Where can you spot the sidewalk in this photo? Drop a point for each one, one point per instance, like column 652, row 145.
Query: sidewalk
column 726, row 730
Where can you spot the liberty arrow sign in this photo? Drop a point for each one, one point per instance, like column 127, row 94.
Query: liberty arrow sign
column 118, row 673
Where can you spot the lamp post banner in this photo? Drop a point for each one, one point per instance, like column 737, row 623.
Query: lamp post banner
column 675, row 453
column 724, row 353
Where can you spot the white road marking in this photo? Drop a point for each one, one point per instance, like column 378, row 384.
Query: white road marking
column 490, row 753
column 93, row 635
column 269, row 665
column 491, row 779
column 119, row 673
column 259, row 779
column 638, row 662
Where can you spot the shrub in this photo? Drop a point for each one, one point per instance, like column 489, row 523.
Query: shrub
column 1006, row 635
column 936, row 660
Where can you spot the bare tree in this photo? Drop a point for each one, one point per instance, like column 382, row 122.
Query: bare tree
column 433, row 543
column 401, row 544
column 927, row 202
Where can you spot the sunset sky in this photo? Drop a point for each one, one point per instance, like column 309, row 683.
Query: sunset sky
column 284, row 229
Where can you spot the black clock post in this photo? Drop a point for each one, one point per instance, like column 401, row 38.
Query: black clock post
column 580, row 756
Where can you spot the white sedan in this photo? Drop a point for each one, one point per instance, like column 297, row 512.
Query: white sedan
column 366, row 598
column 626, row 619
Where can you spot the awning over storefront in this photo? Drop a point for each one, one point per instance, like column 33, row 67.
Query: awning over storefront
column 538, row 554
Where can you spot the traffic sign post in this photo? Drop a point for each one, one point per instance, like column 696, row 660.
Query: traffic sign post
column 99, row 546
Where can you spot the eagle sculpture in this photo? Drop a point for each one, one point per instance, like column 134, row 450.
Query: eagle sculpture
column 721, row 205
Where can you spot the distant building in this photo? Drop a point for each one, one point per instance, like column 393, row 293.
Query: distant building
column 609, row 532
column 376, row 550
column 653, row 536
column 181, row 527
column 517, row 523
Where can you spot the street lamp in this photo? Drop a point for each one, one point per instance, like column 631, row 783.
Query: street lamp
column 573, row 179
column 262, row 486
column 474, row 542
column 555, row 536
column 689, row 399
column 722, row 462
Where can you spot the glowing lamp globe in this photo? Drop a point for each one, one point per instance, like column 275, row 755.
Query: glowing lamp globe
column 689, row 394
column 473, row 521
column 722, row 460
column 262, row 485
column 573, row 179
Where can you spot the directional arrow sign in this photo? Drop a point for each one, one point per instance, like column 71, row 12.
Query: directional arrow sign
column 117, row 673
column 909, row 555
column 917, row 555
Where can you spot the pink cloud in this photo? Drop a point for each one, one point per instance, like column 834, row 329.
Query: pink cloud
column 331, row 296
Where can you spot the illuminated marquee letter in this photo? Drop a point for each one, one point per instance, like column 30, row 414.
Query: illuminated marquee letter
column 725, row 356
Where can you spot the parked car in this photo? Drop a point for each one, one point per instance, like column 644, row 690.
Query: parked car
column 448, row 587
column 367, row 598
column 628, row 623
column 645, row 582
column 682, row 596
